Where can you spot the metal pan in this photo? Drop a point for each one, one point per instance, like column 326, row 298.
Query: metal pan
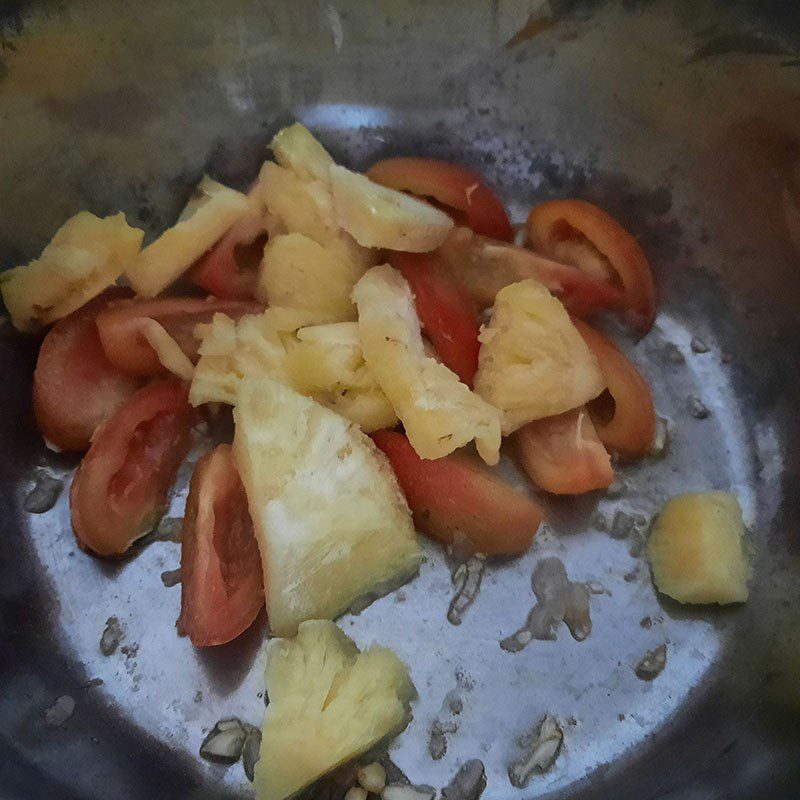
column 683, row 120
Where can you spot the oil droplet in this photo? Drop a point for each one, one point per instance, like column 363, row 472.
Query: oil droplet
column 111, row 637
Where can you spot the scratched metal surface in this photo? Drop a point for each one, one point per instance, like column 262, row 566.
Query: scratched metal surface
column 682, row 119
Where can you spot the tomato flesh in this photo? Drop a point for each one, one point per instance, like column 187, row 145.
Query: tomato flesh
column 624, row 415
column 120, row 328
column 222, row 588
column 123, row 481
column 482, row 267
column 563, row 454
column 457, row 501
column 229, row 270
column 596, row 243
column 75, row 386
column 453, row 186
column 448, row 316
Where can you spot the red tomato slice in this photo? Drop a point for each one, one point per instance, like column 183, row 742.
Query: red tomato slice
column 451, row 185
column 222, row 588
column 623, row 414
column 482, row 267
column 563, row 454
column 456, row 500
column 229, row 270
column 75, row 386
column 126, row 347
column 581, row 233
column 122, row 484
column 447, row 314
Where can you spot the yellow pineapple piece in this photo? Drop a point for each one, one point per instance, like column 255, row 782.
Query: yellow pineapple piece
column 296, row 149
column 696, row 549
column 377, row 216
column 329, row 703
column 86, row 256
column 332, row 525
column 440, row 414
column 213, row 210
column 297, row 272
column 533, row 363
column 229, row 351
column 326, row 362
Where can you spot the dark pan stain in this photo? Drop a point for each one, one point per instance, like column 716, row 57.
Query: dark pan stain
column 742, row 43
column 535, row 25
column 113, row 111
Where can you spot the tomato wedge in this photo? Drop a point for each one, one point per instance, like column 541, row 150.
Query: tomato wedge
column 457, row 501
column 75, row 386
column 453, row 186
column 563, row 454
column 121, row 325
column 482, row 267
column 229, row 270
column 122, row 484
column 583, row 234
column 623, row 415
column 222, row 587
column 447, row 314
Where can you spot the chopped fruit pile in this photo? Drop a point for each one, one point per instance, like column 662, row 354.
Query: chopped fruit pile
column 337, row 314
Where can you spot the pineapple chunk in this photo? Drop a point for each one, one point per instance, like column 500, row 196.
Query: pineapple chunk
column 696, row 549
column 297, row 272
column 440, row 414
column 327, row 363
column 329, row 703
column 169, row 352
column 213, row 209
column 332, row 524
column 254, row 347
column 86, row 256
column 296, row 149
column 377, row 216
column 533, row 363
column 322, row 361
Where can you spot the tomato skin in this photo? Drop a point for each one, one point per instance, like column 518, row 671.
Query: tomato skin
column 229, row 269
column 122, row 483
column 75, row 386
column 454, row 499
column 456, row 187
column 629, row 428
column 447, row 314
column 589, row 231
column 563, row 454
column 482, row 267
column 222, row 587
column 126, row 348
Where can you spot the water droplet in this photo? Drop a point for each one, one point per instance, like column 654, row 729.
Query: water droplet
column 111, row 637
column 171, row 577
column 468, row 783
column 622, row 526
column 652, row 663
column 698, row 345
column 44, row 494
column 671, row 354
column 697, row 408
column 58, row 713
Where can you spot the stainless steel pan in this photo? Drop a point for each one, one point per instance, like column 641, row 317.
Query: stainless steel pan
column 681, row 118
